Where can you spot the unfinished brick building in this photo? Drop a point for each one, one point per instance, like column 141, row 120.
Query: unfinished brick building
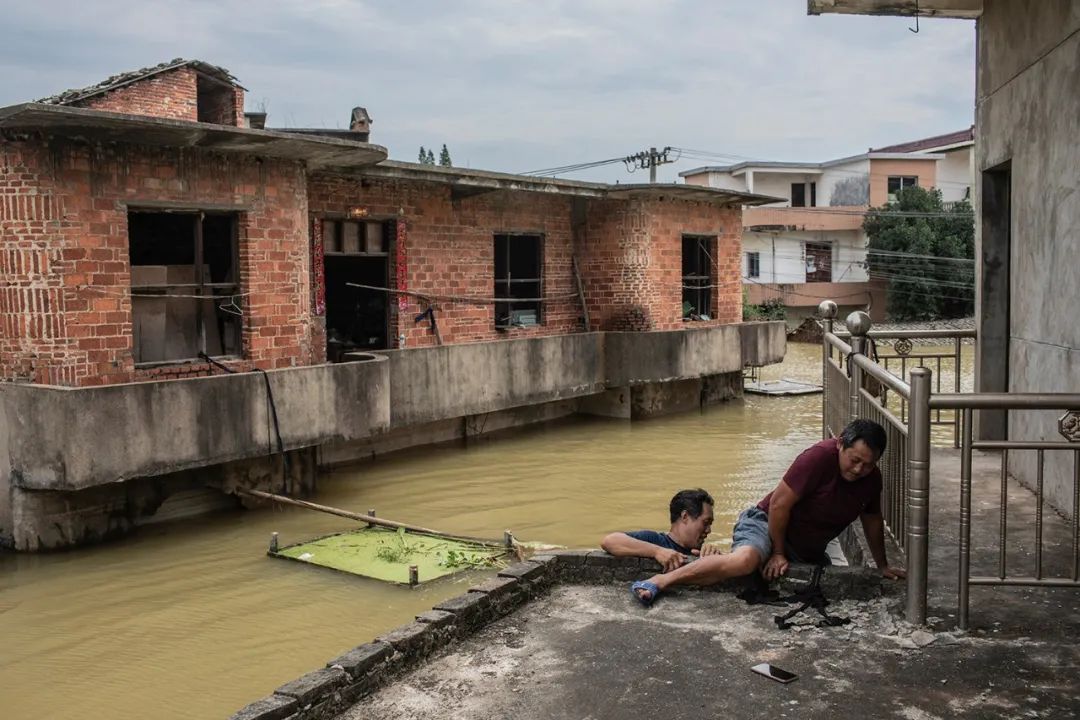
column 148, row 233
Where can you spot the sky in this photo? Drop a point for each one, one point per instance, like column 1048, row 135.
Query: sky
column 517, row 86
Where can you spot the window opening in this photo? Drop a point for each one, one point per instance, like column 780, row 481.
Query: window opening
column 518, row 264
column 798, row 194
column 356, row 252
column 818, row 262
column 698, row 276
column 813, row 194
column 753, row 264
column 899, row 182
column 184, row 283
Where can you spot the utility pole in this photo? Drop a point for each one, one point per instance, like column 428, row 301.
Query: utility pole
column 650, row 159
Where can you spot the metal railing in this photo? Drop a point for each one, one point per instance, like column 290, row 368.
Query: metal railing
column 1069, row 427
column 905, row 466
column 905, row 354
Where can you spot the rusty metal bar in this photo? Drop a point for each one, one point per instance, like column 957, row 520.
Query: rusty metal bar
column 1004, row 521
column 965, row 520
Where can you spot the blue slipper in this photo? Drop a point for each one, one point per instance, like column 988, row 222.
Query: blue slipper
column 652, row 589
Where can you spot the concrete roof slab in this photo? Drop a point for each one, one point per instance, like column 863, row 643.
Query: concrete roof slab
column 99, row 126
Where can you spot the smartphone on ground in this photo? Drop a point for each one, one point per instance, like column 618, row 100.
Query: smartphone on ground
column 774, row 673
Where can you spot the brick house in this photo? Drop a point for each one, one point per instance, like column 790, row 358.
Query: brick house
column 156, row 246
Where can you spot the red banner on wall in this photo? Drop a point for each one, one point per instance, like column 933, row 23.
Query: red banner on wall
column 400, row 258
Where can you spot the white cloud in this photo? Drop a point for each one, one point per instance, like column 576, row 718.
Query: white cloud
column 514, row 85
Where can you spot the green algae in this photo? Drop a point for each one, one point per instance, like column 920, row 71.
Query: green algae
column 386, row 555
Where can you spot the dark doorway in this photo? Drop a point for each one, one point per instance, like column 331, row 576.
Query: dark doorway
column 818, row 262
column 356, row 253
column 185, row 292
column 992, row 363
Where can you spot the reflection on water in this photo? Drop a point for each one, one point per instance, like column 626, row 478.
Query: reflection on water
column 192, row 620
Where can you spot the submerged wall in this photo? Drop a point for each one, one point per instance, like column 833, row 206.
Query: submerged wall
column 83, row 464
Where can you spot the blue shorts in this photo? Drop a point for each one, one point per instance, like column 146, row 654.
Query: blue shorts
column 752, row 528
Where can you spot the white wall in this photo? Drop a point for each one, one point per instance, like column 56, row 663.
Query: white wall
column 778, row 184
column 783, row 255
column 837, row 173
column 724, row 181
column 955, row 173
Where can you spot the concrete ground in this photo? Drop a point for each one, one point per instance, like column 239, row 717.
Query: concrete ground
column 591, row 652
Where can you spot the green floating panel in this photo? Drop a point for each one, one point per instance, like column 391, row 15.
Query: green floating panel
column 386, row 555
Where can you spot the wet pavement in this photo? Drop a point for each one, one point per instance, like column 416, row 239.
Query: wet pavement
column 590, row 651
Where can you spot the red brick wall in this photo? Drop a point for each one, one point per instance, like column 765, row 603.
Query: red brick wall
column 65, row 305
column 166, row 95
column 630, row 255
column 450, row 250
column 172, row 95
column 632, row 266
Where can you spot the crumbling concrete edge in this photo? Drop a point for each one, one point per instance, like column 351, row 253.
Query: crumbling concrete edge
column 325, row 693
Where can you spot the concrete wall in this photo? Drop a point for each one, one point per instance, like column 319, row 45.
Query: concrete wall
column 783, row 255
column 73, row 439
column 882, row 170
column 1028, row 114
column 429, row 384
column 956, row 175
column 82, row 464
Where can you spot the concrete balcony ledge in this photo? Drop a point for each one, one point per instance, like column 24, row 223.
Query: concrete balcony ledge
column 637, row 358
column 55, row 438
column 438, row 383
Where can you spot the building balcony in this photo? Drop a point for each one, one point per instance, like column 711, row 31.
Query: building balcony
column 783, row 219
column 809, row 294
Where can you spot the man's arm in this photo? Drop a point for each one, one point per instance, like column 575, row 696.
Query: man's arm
column 780, row 504
column 874, row 528
column 621, row 544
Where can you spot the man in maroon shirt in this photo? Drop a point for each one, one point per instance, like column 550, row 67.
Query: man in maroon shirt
column 829, row 485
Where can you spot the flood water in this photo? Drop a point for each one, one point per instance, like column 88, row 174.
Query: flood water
column 190, row 619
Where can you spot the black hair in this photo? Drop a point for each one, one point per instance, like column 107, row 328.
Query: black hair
column 866, row 430
column 692, row 501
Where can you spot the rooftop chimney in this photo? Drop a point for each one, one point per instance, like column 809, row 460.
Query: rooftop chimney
column 361, row 122
column 255, row 120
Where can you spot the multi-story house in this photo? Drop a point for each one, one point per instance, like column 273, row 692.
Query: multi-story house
column 811, row 246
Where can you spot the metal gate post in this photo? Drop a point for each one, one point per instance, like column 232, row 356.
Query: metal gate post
column 918, row 498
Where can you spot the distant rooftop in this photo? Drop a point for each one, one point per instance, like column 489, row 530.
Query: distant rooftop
column 69, row 97
column 960, row 137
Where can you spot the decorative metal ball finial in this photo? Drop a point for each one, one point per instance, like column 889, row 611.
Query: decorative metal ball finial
column 827, row 309
column 858, row 323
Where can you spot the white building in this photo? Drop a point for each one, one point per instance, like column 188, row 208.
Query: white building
column 812, row 247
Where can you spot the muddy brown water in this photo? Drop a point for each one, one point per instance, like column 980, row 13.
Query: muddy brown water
column 190, row 619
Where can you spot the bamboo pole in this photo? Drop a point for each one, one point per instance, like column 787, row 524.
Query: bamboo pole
column 370, row 519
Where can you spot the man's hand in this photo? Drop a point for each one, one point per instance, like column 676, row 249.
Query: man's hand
column 668, row 559
column 776, row 566
column 891, row 573
column 708, row 550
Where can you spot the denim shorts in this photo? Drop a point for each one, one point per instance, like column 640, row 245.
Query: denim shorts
column 752, row 528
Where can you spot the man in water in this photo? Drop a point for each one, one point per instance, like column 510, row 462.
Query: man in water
column 829, row 485
column 691, row 514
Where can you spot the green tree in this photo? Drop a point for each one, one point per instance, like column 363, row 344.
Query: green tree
column 925, row 253
column 444, row 157
column 423, row 156
column 430, row 158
